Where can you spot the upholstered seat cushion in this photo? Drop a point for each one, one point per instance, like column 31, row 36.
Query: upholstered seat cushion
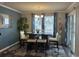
column 53, row 39
column 31, row 40
column 42, row 41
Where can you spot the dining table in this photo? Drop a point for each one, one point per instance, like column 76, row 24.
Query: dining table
column 35, row 40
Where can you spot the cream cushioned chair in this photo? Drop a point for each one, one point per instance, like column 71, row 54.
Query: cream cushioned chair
column 55, row 40
column 23, row 38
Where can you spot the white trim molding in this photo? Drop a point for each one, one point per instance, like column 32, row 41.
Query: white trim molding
column 8, row 47
column 10, row 8
column 74, row 4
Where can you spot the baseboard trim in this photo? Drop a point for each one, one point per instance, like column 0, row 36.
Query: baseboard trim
column 8, row 47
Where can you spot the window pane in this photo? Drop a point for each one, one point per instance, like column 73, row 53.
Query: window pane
column 49, row 24
column 6, row 19
column 38, row 24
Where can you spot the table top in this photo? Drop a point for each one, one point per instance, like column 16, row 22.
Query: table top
column 38, row 33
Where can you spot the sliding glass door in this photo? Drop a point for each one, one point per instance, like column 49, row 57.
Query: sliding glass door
column 71, row 31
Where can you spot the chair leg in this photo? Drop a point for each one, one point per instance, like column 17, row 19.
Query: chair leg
column 57, row 46
column 26, row 47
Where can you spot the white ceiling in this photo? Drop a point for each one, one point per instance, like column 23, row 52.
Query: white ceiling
column 39, row 6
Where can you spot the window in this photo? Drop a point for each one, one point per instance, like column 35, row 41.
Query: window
column 47, row 22
column 38, row 23
column 4, row 21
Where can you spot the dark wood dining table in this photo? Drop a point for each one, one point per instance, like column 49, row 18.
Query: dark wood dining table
column 34, row 39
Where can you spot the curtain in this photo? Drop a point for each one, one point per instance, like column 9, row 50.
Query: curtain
column 55, row 24
column 65, row 32
column 33, row 23
column 43, row 28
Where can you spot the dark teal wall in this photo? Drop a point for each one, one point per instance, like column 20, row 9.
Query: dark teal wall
column 9, row 35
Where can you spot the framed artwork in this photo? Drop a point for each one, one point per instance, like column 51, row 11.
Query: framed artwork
column 5, row 21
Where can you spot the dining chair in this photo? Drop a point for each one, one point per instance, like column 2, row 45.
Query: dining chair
column 55, row 41
column 42, row 43
column 23, row 38
column 31, row 42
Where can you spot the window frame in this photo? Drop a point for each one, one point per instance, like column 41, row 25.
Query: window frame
column 3, row 23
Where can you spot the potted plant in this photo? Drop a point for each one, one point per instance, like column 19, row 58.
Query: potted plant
column 22, row 25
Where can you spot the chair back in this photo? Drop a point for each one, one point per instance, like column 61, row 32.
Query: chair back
column 44, row 36
column 22, row 35
column 32, row 36
column 58, row 37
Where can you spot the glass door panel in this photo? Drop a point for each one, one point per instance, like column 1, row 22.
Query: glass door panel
column 71, row 32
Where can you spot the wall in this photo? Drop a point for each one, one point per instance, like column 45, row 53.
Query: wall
column 61, row 19
column 9, row 35
column 28, row 15
column 77, row 33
